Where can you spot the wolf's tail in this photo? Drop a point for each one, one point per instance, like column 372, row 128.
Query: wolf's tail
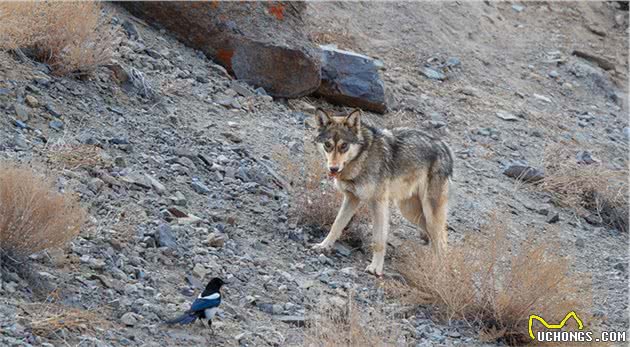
column 186, row 318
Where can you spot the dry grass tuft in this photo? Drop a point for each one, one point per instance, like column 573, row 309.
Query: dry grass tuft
column 76, row 156
column 492, row 288
column 352, row 327
column 33, row 216
column 587, row 188
column 48, row 319
column 71, row 37
column 343, row 39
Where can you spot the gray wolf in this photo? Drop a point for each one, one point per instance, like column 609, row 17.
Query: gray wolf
column 375, row 166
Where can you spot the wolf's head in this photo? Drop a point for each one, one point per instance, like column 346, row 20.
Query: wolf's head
column 339, row 139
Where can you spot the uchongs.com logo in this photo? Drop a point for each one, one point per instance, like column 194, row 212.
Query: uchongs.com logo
column 553, row 332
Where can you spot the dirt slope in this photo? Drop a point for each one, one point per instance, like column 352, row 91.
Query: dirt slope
column 216, row 142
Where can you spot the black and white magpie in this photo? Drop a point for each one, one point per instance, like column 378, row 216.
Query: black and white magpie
column 205, row 305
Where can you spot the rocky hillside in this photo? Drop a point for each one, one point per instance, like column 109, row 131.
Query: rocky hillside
column 177, row 165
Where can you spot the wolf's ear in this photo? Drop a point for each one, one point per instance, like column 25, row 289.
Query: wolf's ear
column 322, row 118
column 353, row 120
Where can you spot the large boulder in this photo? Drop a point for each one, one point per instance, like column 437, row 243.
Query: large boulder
column 261, row 43
column 351, row 79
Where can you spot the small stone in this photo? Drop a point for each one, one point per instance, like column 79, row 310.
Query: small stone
column 342, row 249
column 215, row 240
column 470, row 91
column 241, row 89
column 31, row 101
column 580, row 243
column 130, row 319
column 56, row 125
column 553, row 74
column 178, row 199
column 518, row 8
column 507, row 116
column 542, row 98
column 524, row 173
column 20, row 124
column 432, row 74
column 298, row 321
column 21, row 112
column 159, row 187
column 200, row 271
column 200, row 187
column 585, row 157
column 554, row 219
column 164, row 236
column 454, row 334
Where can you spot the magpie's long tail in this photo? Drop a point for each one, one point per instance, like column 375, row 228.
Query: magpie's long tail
column 186, row 318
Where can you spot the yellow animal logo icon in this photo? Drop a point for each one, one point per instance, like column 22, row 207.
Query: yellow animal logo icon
column 571, row 314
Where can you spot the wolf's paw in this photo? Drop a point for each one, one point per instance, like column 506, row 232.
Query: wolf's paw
column 322, row 247
column 374, row 270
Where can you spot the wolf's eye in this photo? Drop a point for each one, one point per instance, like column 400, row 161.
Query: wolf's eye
column 343, row 147
column 327, row 146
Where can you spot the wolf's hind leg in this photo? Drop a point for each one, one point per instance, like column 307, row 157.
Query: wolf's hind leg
column 348, row 208
column 411, row 209
column 435, row 207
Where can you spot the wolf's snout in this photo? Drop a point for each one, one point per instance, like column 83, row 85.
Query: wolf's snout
column 333, row 169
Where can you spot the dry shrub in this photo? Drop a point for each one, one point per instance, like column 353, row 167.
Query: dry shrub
column 76, row 156
column 33, row 216
column 49, row 319
column 482, row 282
column 586, row 188
column 69, row 36
column 353, row 327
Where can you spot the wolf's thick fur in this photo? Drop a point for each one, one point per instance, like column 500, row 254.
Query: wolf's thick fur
column 375, row 166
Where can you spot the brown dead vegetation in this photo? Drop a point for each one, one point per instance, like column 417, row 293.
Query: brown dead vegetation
column 33, row 216
column 492, row 284
column 589, row 189
column 352, row 326
column 71, row 37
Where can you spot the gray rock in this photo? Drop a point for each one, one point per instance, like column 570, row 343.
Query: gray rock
column 432, row 74
column 130, row 319
column 518, row 8
column 130, row 29
column 56, row 125
column 216, row 240
column 178, row 199
column 585, row 157
column 200, row 187
column 507, row 116
column 554, row 219
column 32, row 101
column 164, row 236
column 21, row 112
column 342, row 249
column 159, row 187
column 524, row 173
column 595, row 58
column 351, row 79
column 298, row 321
column 246, row 38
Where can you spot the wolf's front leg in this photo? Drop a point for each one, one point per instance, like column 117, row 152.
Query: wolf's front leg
column 348, row 208
column 380, row 211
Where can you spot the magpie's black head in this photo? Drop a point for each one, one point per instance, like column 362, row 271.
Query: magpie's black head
column 214, row 285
